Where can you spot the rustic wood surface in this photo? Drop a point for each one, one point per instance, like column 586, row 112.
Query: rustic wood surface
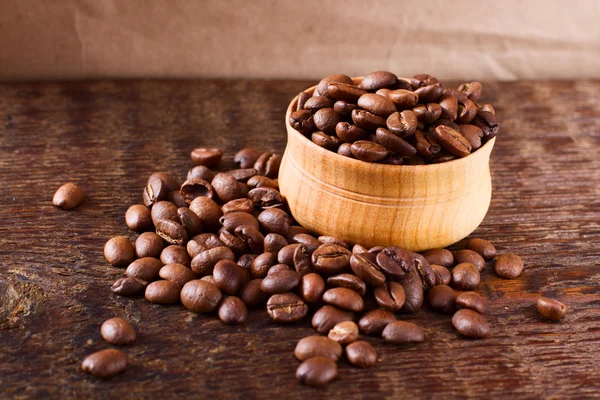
column 109, row 136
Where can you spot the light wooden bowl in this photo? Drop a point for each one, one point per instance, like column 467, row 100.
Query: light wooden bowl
column 414, row 207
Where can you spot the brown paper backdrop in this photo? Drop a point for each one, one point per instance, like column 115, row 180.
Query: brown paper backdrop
column 475, row 39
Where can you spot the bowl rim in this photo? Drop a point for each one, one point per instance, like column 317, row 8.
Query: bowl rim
column 341, row 158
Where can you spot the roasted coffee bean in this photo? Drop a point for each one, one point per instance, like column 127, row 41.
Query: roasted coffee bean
column 175, row 254
column 117, row 331
column 395, row 262
column 377, row 104
column 233, row 311
column 210, row 279
column 508, row 266
column 402, row 123
column 118, row 251
column 279, row 267
column 232, row 220
column 200, row 296
column 195, row 187
column 176, row 198
column 472, row 90
column 390, row 296
column 344, row 298
column 200, row 172
column 488, row 108
column 242, row 174
column 465, row 276
column 470, row 323
column 366, row 120
column 430, row 93
column 162, row 292
column 207, row 156
column 441, row 257
column 330, row 258
column 315, row 345
column 105, row 363
column 473, row 134
column 314, row 104
column 377, row 80
column 344, row 333
column 452, row 141
column 333, row 240
column 376, row 249
column 471, row 300
column 327, row 142
column 248, row 156
column 374, row 321
column 280, row 282
column 302, row 121
column 190, row 221
column 302, row 260
column 226, row 187
column 202, row 242
column 348, row 281
column 251, row 236
column 274, row 220
column 208, row 211
column 359, row 249
column 138, row 218
column 326, row 119
column 286, row 307
column 246, row 260
column 487, row 122
column 266, row 197
column 238, row 205
column 312, row 287
column 251, row 293
column 426, row 146
column 155, row 191
column 145, row 268
column 404, row 99
column 424, row 270
column 178, row 273
column 274, row 242
column 449, row 104
column 326, row 317
column 228, row 276
column 442, row 298
column 345, row 150
column 295, row 230
column 168, row 180
column 349, row 133
column 164, row 210
column 427, row 113
column 128, row 286
column 399, row 332
column 445, row 122
column 442, row 275
column 68, row 196
column 368, row 151
column 551, row 309
column 367, row 270
column 309, row 242
column 361, row 354
column 268, row 164
column 467, row 110
column 421, row 80
column 343, row 91
column 324, row 83
column 204, row 263
column 413, row 290
column 394, row 143
column 316, row 371
column 344, row 108
column 262, row 263
column 469, row 256
column 172, row 232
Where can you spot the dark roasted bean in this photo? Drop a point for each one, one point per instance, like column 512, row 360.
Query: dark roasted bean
column 395, row 262
column 261, row 264
column 228, row 276
column 348, row 281
column 394, row 143
column 162, row 292
column 413, row 289
column 344, row 108
column 399, row 332
column 315, row 345
column 316, row 371
column 202, row 242
column 330, row 258
column 427, row 113
column 105, row 363
column 377, row 104
column 205, row 261
column 178, row 273
column 252, row 295
column 452, row 141
column 190, row 221
column 208, row 211
column 201, row 172
column 442, row 274
column 266, row 197
column 68, row 196
column 361, row 354
column 324, row 140
column 378, row 79
column 172, row 232
column 286, row 307
column 145, row 268
column 312, row 287
column 472, row 90
column 326, row 119
column 471, row 300
column 390, row 296
column 117, row 331
column 441, row 257
column 404, row 99
column 164, row 210
column 551, row 309
column 119, row 251
column 349, row 133
column 175, row 254
column 138, row 218
column 328, row 316
column 343, row 91
column 302, row 121
column 368, row 151
column 367, row 121
column 374, row 321
column 200, row 296
column 324, row 83
column 469, row 256
column 248, row 156
column 207, row 156
column 402, row 123
column 465, row 276
column 233, row 311
column 508, row 266
column 128, row 286
column 316, row 103
column 195, row 187
column 442, row 298
column 473, row 134
column 366, row 269
column 470, row 323
column 344, row 298
column 280, row 282
column 268, row 164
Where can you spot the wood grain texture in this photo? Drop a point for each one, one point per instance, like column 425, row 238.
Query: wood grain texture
column 109, row 136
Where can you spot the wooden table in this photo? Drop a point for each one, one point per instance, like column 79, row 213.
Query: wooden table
column 109, row 136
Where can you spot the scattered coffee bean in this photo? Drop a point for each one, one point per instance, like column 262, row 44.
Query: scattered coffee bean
column 233, row 311
column 328, row 316
column 399, row 332
column 172, row 232
column 317, row 346
column 138, row 218
column 247, row 157
column 361, row 354
column 330, row 258
column 208, row 211
column 349, row 281
column 551, row 309
column 442, row 275
column 469, row 256
column 68, row 196
column 395, row 262
column 471, row 300
column 119, row 251
column 441, row 257
column 190, row 221
column 280, row 282
column 207, row 156
column 344, row 333
column 149, row 244
column 316, row 371
column 375, row 321
column 414, row 292
column 508, row 266
column 200, row 296
column 312, row 287
column 194, row 188
column 128, row 286
column 344, row 298
column 117, row 331
column 465, row 276
column 286, row 307
column 366, row 269
column 226, row 187
column 483, row 247
column 200, row 172
column 175, row 254
column 252, row 295
column 442, row 298
column 145, row 268
column 162, row 292
column 228, row 276
column 470, row 323
column 204, row 263
column 105, row 363
column 178, row 273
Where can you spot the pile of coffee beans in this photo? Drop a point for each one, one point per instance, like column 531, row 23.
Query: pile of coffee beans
column 391, row 120
column 224, row 242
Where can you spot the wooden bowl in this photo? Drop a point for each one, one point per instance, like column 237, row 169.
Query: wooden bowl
column 416, row 207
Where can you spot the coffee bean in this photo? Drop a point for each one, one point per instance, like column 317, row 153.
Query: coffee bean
column 302, row 260
column 286, row 307
column 149, row 244
column 200, row 172
column 172, row 232
column 266, row 197
column 210, row 279
column 68, row 196
column 470, row 323
column 175, row 254
column 488, row 108
column 105, row 363
column 344, row 108
column 326, row 119
column 232, row 220
column 442, row 275
column 452, row 141
column 324, row 83
column 349, row 133
column 421, row 80
column 302, row 121
column 316, row 103
column 472, row 90
column 145, row 268
column 344, row 333
column 395, row 262
column 333, row 240
column 376, row 249
column 441, row 257
column 238, row 205
column 366, row 269
column 208, row 211
column 465, row 276
column 246, row 260
column 251, row 293
column 138, row 218
column 361, row 354
column 325, row 141
column 202, row 242
column 204, row 262
column 268, row 164
column 200, row 296
column 261, row 264
column 551, row 309
column 280, row 282
column 326, row 317
column 442, row 298
column 366, row 120
column 377, row 80
column 176, row 198
column 162, row 292
column 348, row 281
column 190, row 221
column 399, row 332
column 316, row 371
column 279, row 267
column 394, row 143
column 345, row 150
column 118, row 251
column 128, row 286
column 226, row 187
column 374, row 321
column 117, row 331
column 427, row 113
column 274, row 243
column 429, row 93
column 449, row 105
column 487, row 122
column 343, row 91
column 233, row 311
column 508, row 266
column 247, row 156
column 390, row 296
column 207, row 156
column 194, row 188
column 228, row 276
column 178, row 273
column 155, row 191
column 302, row 98
column 377, row 104
column 251, row 236
column 473, row 134
column 317, row 346
column 164, row 210
column 368, row 151
column 413, row 290
column 471, row 300
column 312, row 287
column 404, row 99
column 344, row 298
column 425, row 146
column 402, row 123
column 309, row 242
column 330, row 258
column 274, row 220
column 469, row 256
